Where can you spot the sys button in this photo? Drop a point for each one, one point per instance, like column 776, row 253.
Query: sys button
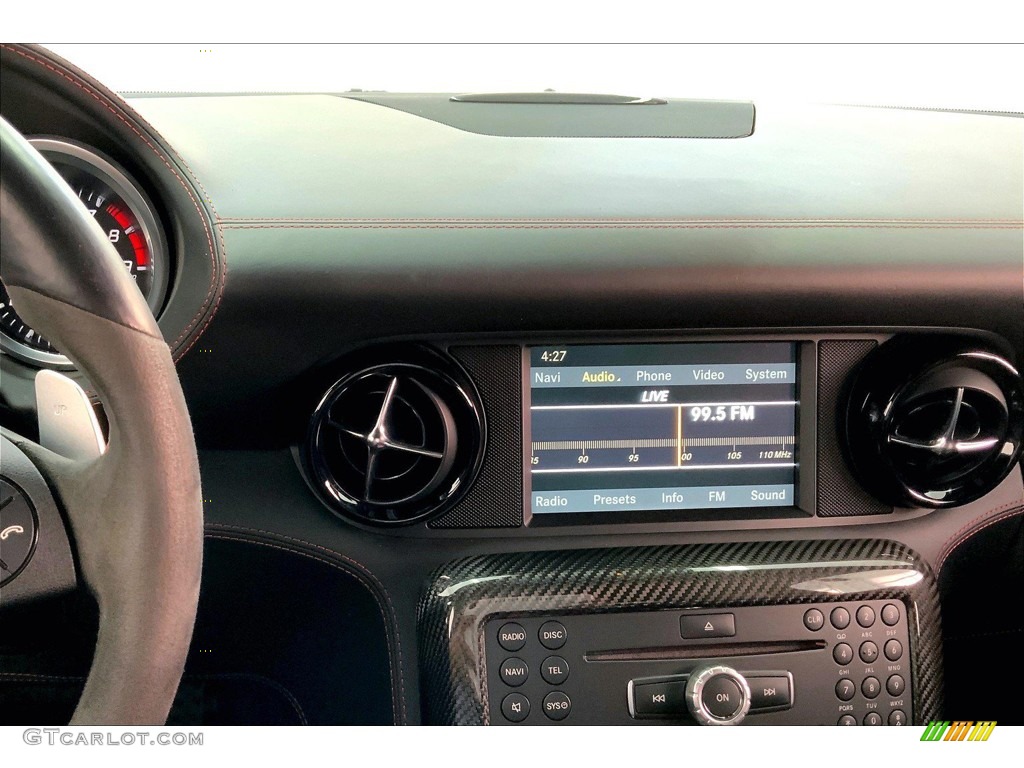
column 696, row 626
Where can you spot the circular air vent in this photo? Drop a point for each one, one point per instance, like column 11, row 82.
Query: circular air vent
column 933, row 424
column 391, row 444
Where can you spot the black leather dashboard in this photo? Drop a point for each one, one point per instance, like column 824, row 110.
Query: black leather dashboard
column 349, row 226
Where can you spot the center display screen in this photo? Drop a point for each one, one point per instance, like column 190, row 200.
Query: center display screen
column 646, row 427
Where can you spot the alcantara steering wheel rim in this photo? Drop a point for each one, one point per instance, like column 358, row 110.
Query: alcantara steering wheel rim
column 135, row 513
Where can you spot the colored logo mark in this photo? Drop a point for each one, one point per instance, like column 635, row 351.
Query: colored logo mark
column 959, row 730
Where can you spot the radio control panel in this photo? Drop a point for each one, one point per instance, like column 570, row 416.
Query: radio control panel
column 843, row 663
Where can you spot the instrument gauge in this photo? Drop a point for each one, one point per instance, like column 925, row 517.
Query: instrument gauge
column 127, row 219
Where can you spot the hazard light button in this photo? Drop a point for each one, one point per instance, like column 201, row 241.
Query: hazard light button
column 693, row 626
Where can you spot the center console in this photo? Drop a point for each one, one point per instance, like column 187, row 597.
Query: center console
column 782, row 442
column 785, row 633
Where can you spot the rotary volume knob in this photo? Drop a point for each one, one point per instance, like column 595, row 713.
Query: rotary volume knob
column 718, row 696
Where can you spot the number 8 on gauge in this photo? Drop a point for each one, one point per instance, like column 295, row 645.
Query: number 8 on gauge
column 122, row 211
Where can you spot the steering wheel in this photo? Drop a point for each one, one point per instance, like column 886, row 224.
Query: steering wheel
column 134, row 514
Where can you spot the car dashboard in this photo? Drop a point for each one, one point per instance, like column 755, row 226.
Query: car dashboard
column 553, row 410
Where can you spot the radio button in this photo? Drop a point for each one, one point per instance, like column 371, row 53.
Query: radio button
column 552, row 635
column 893, row 649
column 659, row 699
column 511, row 636
column 514, row 672
column 515, row 707
column 557, row 705
column 843, row 654
column 840, row 618
column 694, row 627
column 554, row 670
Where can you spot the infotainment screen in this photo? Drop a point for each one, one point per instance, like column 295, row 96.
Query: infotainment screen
column 632, row 427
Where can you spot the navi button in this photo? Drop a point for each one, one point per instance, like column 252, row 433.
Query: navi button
column 514, row 672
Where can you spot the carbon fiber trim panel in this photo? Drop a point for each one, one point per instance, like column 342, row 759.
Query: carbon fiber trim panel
column 462, row 595
column 839, row 495
column 496, row 498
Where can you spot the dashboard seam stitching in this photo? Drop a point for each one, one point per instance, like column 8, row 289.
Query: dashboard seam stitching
column 600, row 226
column 262, row 538
column 608, row 220
column 116, row 110
column 968, row 531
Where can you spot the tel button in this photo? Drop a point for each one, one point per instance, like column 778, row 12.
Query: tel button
column 511, row 636
column 552, row 635
column 554, row 670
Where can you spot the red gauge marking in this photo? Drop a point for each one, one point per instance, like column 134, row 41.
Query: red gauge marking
column 137, row 240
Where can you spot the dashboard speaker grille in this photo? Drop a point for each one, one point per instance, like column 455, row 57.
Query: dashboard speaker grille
column 839, row 495
column 495, row 500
